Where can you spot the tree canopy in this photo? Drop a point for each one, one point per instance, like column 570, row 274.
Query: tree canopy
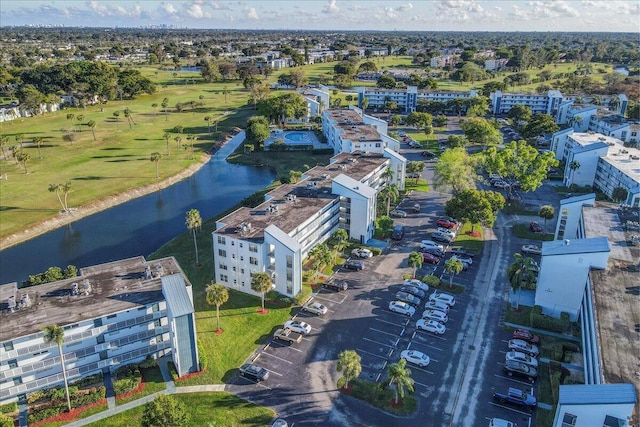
column 481, row 131
column 475, row 206
column 538, row 125
column 164, row 410
column 455, row 169
column 279, row 108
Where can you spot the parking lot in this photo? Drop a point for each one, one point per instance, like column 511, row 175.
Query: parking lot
column 466, row 362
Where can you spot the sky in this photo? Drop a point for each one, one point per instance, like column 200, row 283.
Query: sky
column 333, row 15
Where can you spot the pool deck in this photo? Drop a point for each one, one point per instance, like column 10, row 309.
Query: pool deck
column 317, row 145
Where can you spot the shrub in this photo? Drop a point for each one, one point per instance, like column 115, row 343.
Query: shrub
column 126, row 384
column 202, row 356
column 90, row 380
column 431, row 280
column 6, row 421
column 150, row 362
column 539, row 320
column 9, row 408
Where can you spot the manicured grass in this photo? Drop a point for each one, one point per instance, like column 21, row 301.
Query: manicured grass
column 444, row 287
column 204, row 409
column 522, row 231
column 281, row 162
column 422, row 185
column 371, row 393
column 468, row 241
column 152, row 378
column 84, row 414
column 545, row 417
column 522, row 316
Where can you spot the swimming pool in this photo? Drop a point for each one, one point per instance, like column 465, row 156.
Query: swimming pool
column 297, row 137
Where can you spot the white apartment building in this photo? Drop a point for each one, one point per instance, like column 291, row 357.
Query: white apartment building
column 496, row 64
column 407, row 99
column 112, row 314
column 443, row 61
column 605, row 162
column 502, row 102
column 276, row 236
column 606, row 405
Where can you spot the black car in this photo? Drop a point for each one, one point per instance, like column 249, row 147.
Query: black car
column 519, row 369
column 428, row 154
column 408, row 298
column 413, row 291
column 336, row 286
column 433, row 251
column 353, row 264
column 254, row 372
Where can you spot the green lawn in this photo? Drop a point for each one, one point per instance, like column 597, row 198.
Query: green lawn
column 204, row 409
column 153, row 383
column 466, row 240
column 411, row 185
column 522, row 231
column 281, row 162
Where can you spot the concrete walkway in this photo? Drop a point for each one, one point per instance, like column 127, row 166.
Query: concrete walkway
column 163, row 364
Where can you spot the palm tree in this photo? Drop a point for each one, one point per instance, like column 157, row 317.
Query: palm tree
column 597, row 100
column 261, row 282
column 208, row 120
column 155, row 157
column 225, row 92
column 80, row 118
column 167, row 137
column 66, row 189
column 364, row 104
column 399, row 376
column 174, row 78
column 155, row 107
column 23, row 158
column 388, row 174
column 194, row 222
column 116, row 115
column 71, row 116
column 391, row 193
column 614, row 103
column 55, row 188
column 38, row 141
column 127, row 114
column 178, row 141
column 20, row 140
column 349, row 365
column 165, row 104
column 546, row 212
column 55, row 334
column 521, row 271
column 453, row 266
column 341, row 238
column 321, row 256
column 574, row 166
column 92, row 126
column 576, row 121
column 217, row 295
column 415, row 260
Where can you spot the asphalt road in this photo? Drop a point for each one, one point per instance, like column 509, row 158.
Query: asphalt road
column 455, row 389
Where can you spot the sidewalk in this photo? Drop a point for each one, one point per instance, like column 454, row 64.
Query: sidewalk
column 163, row 364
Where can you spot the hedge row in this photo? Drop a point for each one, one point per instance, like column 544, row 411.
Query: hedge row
column 541, row 321
column 9, row 408
column 59, row 406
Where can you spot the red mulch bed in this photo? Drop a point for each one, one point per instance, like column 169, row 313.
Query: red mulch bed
column 69, row 416
column 191, row 375
column 473, row 233
column 138, row 389
column 218, row 331
column 262, row 312
column 346, row 390
column 395, row 404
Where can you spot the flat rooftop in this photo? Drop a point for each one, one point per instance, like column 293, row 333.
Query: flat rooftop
column 115, row 286
column 625, row 159
column 616, row 295
column 289, row 205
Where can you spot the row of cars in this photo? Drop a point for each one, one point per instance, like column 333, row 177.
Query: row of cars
column 521, row 360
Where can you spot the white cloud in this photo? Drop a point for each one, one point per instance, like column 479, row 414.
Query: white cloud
column 404, row 7
column 195, row 11
column 331, row 7
column 168, row 8
column 252, row 14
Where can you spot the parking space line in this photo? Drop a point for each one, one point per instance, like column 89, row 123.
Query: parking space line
column 414, row 367
column 421, row 384
column 328, row 299
column 274, row 372
column 279, row 358
column 512, row 379
column 383, row 332
column 376, row 342
column 372, row 354
column 429, row 334
column 389, row 323
column 510, row 408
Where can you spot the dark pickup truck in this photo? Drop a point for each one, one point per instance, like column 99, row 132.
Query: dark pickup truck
column 516, row 397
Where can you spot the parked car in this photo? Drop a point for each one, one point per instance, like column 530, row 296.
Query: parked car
column 428, row 154
column 417, row 283
column 462, row 252
column 353, row 264
column 523, row 334
column 463, row 259
column 442, row 297
column 534, row 266
column 362, row 253
column 415, row 357
column 402, row 308
column 431, row 325
column 447, row 231
column 443, row 237
column 436, row 305
column 315, row 308
column 430, row 258
column 500, row 184
column 524, row 347
column 518, row 369
column 432, row 250
column 402, row 133
column 516, row 397
column 298, row 326
column 398, row 232
column 336, row 286
column 431, row 244
column 254, row 372
column 408, row 298
column 280, row 422
column 436, row 315
column 531, row 249
column 499, row 422
column 534, row 227
column 445, row 222
column 398, row 213
column 415, row 291
column 521, row 357
column 496, row 175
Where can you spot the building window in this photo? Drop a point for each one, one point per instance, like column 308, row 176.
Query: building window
column 289, row 261
column 234, row 268
column 222, row 253
column 155, row 307
column 224, row 278
column 222, row 240
column 13, row 364
column 242, row 271
column 17, row 381
column 156, row 323
column 241, row 258
column 222, row 266
column 289, row 287
column 569, row 420
column 8, row 346
column 240, row 244
column 253, row 261
column 253, row 247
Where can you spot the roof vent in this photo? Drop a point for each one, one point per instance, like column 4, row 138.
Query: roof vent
column 566, row 242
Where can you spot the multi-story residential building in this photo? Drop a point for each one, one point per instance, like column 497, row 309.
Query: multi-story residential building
column 606, row 405
column 502, row 102
column 351, row 130
column 112, row 314
column 496, row 64
column 443, row 61
column 407, row 99
column 277, row 235
column 604, row 162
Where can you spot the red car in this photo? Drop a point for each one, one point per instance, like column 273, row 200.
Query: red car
column 523, row 334
column 535, row 227
column 430, row 258
column 445, row 223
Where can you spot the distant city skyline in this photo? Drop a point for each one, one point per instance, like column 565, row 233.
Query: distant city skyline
column 333, row 15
